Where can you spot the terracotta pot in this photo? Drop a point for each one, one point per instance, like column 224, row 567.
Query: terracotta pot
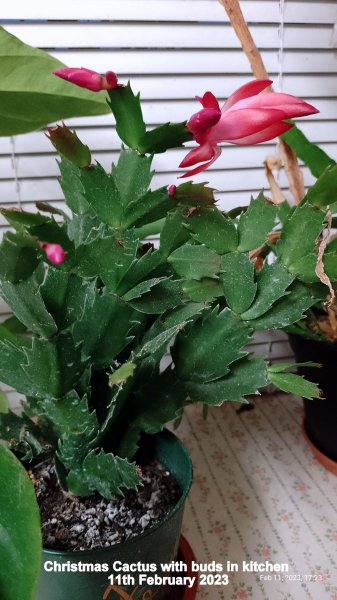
column 159, row 544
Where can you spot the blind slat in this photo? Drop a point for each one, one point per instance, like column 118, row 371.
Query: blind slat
column 161, row 35
column 175, row 10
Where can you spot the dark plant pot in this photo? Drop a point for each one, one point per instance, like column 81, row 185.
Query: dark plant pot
column 159, row 544
column 320, row 415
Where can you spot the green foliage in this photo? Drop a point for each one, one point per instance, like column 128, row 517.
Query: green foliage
column 255, row 223
column 211, row 228
column 105, row 473
column 126, row 108
column 160, row 139
column 203, row 290
column 31, row 96
column 195, row 262
column 173, row 234
column 195, row 195
column 238, row 267
column 66, row 142
column 287, row 310
column 4, row 403
column 201, row 354
column 18, row 257
column 26, row 301
column 292, row 383
column 305, row 224
column 272, row 283
column 245, row 377
column 89, row 335
column 312, row 155
column 157, row 401
column 20, row 536
column 324, row 190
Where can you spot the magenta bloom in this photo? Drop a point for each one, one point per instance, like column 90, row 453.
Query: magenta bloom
column 247, row 117
column 54, row 252
column 88, row 79
column 172, row 190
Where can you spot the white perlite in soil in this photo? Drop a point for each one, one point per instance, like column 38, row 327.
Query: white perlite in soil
column 73, row 523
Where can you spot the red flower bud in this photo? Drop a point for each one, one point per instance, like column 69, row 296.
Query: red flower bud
column 88, row 79
column 54, row 252
column 172, row 190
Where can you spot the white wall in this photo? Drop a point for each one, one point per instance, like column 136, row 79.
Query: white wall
column 172, row 50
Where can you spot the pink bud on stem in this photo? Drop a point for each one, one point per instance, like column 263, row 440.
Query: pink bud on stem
column 172, row 190
column 91, row 80
column 54, row 252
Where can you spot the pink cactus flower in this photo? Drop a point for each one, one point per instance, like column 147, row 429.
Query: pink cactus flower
column 54, row 252
column 88, row 79
column 172, row 190
column 247, row 117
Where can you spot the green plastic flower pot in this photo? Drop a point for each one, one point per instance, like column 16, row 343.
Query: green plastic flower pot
column 159, row 544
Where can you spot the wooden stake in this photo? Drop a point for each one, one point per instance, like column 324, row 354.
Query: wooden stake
column 291, row 166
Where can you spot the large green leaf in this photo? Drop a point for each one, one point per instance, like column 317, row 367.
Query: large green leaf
column 203, row 290
column 194, row 195
column 173, row 233
column 312, row 155
column 12, row 359
column 26, row 301
column 18, row 257
column 211, row 228
column 237, row 278
column 160, row 139
column 72, row 187
column 245, row 377
column 64, row 295
column 31, row 96
column 158, row 400
column 163, row 296
column 20, row 533
column 324, row 191
column 74, row 424
column 132, row 175
column 108, row 257
column 177, row 317
column 151, row 207
column 20, row 219
column 126, row 108
column 149, row 265
column 272, row 283
column 105, row 327
column 205, row 352
column 101, row 193
column 255, row 223
column 287, row 310
column 195, row 262
column 294, row 384
column 105, row 473
column 299, row 234
column 70, row 415
column 53, row 367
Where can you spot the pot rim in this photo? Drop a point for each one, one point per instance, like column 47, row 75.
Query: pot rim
column 71, row 553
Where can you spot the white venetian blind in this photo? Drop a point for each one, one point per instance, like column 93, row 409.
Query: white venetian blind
column 172, row 50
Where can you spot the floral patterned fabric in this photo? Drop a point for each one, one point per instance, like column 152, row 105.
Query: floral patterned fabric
column 260, row 495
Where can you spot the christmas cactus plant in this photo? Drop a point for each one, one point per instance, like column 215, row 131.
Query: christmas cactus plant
column 96, row 306
column 320, row 322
